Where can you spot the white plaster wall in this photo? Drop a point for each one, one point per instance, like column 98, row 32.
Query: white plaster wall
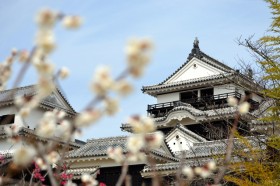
column 257, row 98
column 241, row 91
column 168, row 97
column 222, row 89
column 30, row 121
column 6, row 146
column 182, row 143
column 34, row 117
column 7, row 110
column 175, row 144
column 190, row 71
column 10, row 110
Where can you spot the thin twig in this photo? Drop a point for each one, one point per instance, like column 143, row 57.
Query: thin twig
column 24, row 68
column 123, row 174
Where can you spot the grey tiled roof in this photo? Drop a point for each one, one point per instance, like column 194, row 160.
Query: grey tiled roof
column 202, row 153
column 175, row 165
column 263, row 107
column 98, row 147
column 164, row 155
column 200, row 115
column 186, row 82
column 7, row 97
column 78, row 172
column 210, row 148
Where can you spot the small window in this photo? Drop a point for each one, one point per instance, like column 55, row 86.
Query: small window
column 188, row 95
column 7, row 119
column 207, row 92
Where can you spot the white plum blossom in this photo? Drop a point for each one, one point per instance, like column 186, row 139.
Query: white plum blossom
column 53, row 157
column 12, row 130
column 244, row 107
column 64, row 73
column 138, row 55
column 47, row 125
column 136, row 124
column 59, row 114
column 111, row 106
column 88, row 180
column 5, row 72
column 72, row 22
column 45, row 40
column 19, row 100
column 211, row 165
column 23, row 56
column 102, row 81
column 135, row 143
column 41, row 163
column 44, row 68
column 155, row 139
column 87, row 117
column 46, row 18
column 202, row 172
column 116, row 154
column 63, row 130
column 45, row 87
column 24, row 155
column 142, row 124
column 136, row 157
column 148, row 124
column 232, row 101
column 24, row 112
column 14, row 52
column 123, row 88
column 188, row 171
column 70, row 183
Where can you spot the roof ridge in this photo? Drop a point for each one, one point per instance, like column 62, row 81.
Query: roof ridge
column 12, row 92
column 216, row 61
column 106, row 138
column 191, row 133
column 64, row 97
column 17, row 88
column 199, row 54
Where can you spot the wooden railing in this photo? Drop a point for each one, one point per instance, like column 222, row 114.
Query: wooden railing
column 212, row 97
column 165, row 105
column 205, row 99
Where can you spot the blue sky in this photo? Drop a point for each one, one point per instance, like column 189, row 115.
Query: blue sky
column 172, row 25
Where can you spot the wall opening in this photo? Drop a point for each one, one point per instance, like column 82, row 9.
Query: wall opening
column 7, row 119
column 207, row 92
column 184, row 96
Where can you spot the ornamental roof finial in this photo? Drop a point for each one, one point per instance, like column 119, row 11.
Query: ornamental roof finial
column 195, row 51
column 196, row 43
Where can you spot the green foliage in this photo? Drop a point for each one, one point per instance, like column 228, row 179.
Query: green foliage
column 256, row 167
column 270, row 56
column 261, row 168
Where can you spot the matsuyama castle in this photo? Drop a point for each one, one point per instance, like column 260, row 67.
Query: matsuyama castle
column 190, row 108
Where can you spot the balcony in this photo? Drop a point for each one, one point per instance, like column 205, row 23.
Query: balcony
column 202, row 103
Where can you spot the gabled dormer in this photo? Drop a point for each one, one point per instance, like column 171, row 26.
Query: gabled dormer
column 181, row 139
column 9, row 112
column 203, row 82
column 198, row 65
